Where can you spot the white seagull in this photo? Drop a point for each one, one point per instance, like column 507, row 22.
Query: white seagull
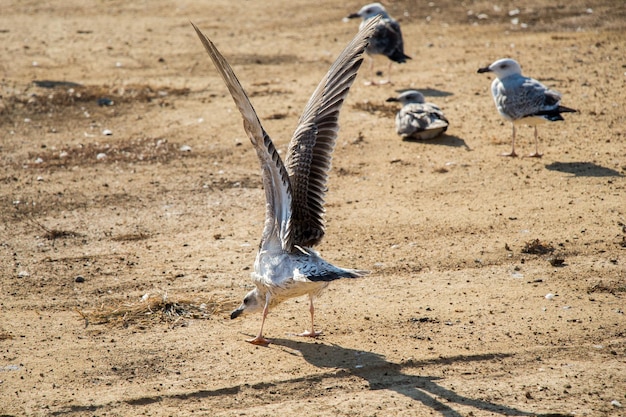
column 386, row 40
column 521, row 99
column 286, row 266
column 418, row 119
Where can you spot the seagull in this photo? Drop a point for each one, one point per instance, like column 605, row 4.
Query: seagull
column 521, row 99
column 386, row 40
column 286, row 264
column 418, row 119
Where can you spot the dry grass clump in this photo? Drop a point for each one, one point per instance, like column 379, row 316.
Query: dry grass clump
column 51, row 94
column 135, row 150
column 611, row 287
column 376, row 108
column 154, row 309
column 536, row 247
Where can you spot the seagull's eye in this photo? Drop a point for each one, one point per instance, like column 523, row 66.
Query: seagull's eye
column 246, row 300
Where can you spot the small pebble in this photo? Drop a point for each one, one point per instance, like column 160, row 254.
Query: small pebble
column 185, row 148
column 107, row 132
column 23, row 274
column 549, row 296
column 616, row 403
column 79, row 278
column 101, row 156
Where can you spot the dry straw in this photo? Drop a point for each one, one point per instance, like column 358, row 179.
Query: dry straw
column 153, row 309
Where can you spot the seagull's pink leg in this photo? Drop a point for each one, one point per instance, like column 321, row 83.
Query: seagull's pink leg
column 536, row 154
column 312, row 332
column 513, row 154
column 259, row 339
column 388, row 80
column 371, row 80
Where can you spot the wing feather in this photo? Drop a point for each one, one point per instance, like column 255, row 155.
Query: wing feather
column 275, row 177
column 310, row 150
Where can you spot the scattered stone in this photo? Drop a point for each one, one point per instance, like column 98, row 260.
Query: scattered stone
column 105, row 101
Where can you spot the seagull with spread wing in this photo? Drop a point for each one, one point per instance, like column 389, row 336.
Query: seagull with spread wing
column 286, row 264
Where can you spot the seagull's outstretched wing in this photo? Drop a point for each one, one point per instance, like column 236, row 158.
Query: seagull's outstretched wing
column 275, row 177
column 309, row 155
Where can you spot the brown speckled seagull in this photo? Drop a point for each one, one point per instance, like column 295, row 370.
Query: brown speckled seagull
column 418, row 119
column 286, row 265
column 386, row 39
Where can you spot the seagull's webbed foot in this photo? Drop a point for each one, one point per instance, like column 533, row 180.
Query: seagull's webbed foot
column 308, row 333
column 512, row 154
column 535, row 155
column 259, row 341
column 376, row 83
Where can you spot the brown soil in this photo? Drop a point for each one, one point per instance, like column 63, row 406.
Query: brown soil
column 121, row 254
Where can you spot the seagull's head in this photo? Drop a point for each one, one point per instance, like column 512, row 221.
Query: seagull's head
column 253, row 301
column 503, row 68
column 408, row 96
column 370, row 10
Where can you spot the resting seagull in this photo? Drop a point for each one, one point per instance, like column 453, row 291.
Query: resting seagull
column 387, row 38
column 521, row 99
column 286, row 266
column 418, row 119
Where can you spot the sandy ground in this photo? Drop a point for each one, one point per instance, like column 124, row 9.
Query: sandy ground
column 463, row 244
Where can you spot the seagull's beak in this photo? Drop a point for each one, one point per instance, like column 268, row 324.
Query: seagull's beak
column 353, row 16
column 236, row 313
column 392, row 99
column 481, row 70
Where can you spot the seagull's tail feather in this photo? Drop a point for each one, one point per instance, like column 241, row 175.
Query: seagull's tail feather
column 399, row 57
column 563, row 109
column 554, row 115
column 327, row 276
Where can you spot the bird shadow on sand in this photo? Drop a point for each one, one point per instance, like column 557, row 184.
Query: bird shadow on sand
column 341, row 363
column 384, row 375
column 445, row 140
column 583, row 169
